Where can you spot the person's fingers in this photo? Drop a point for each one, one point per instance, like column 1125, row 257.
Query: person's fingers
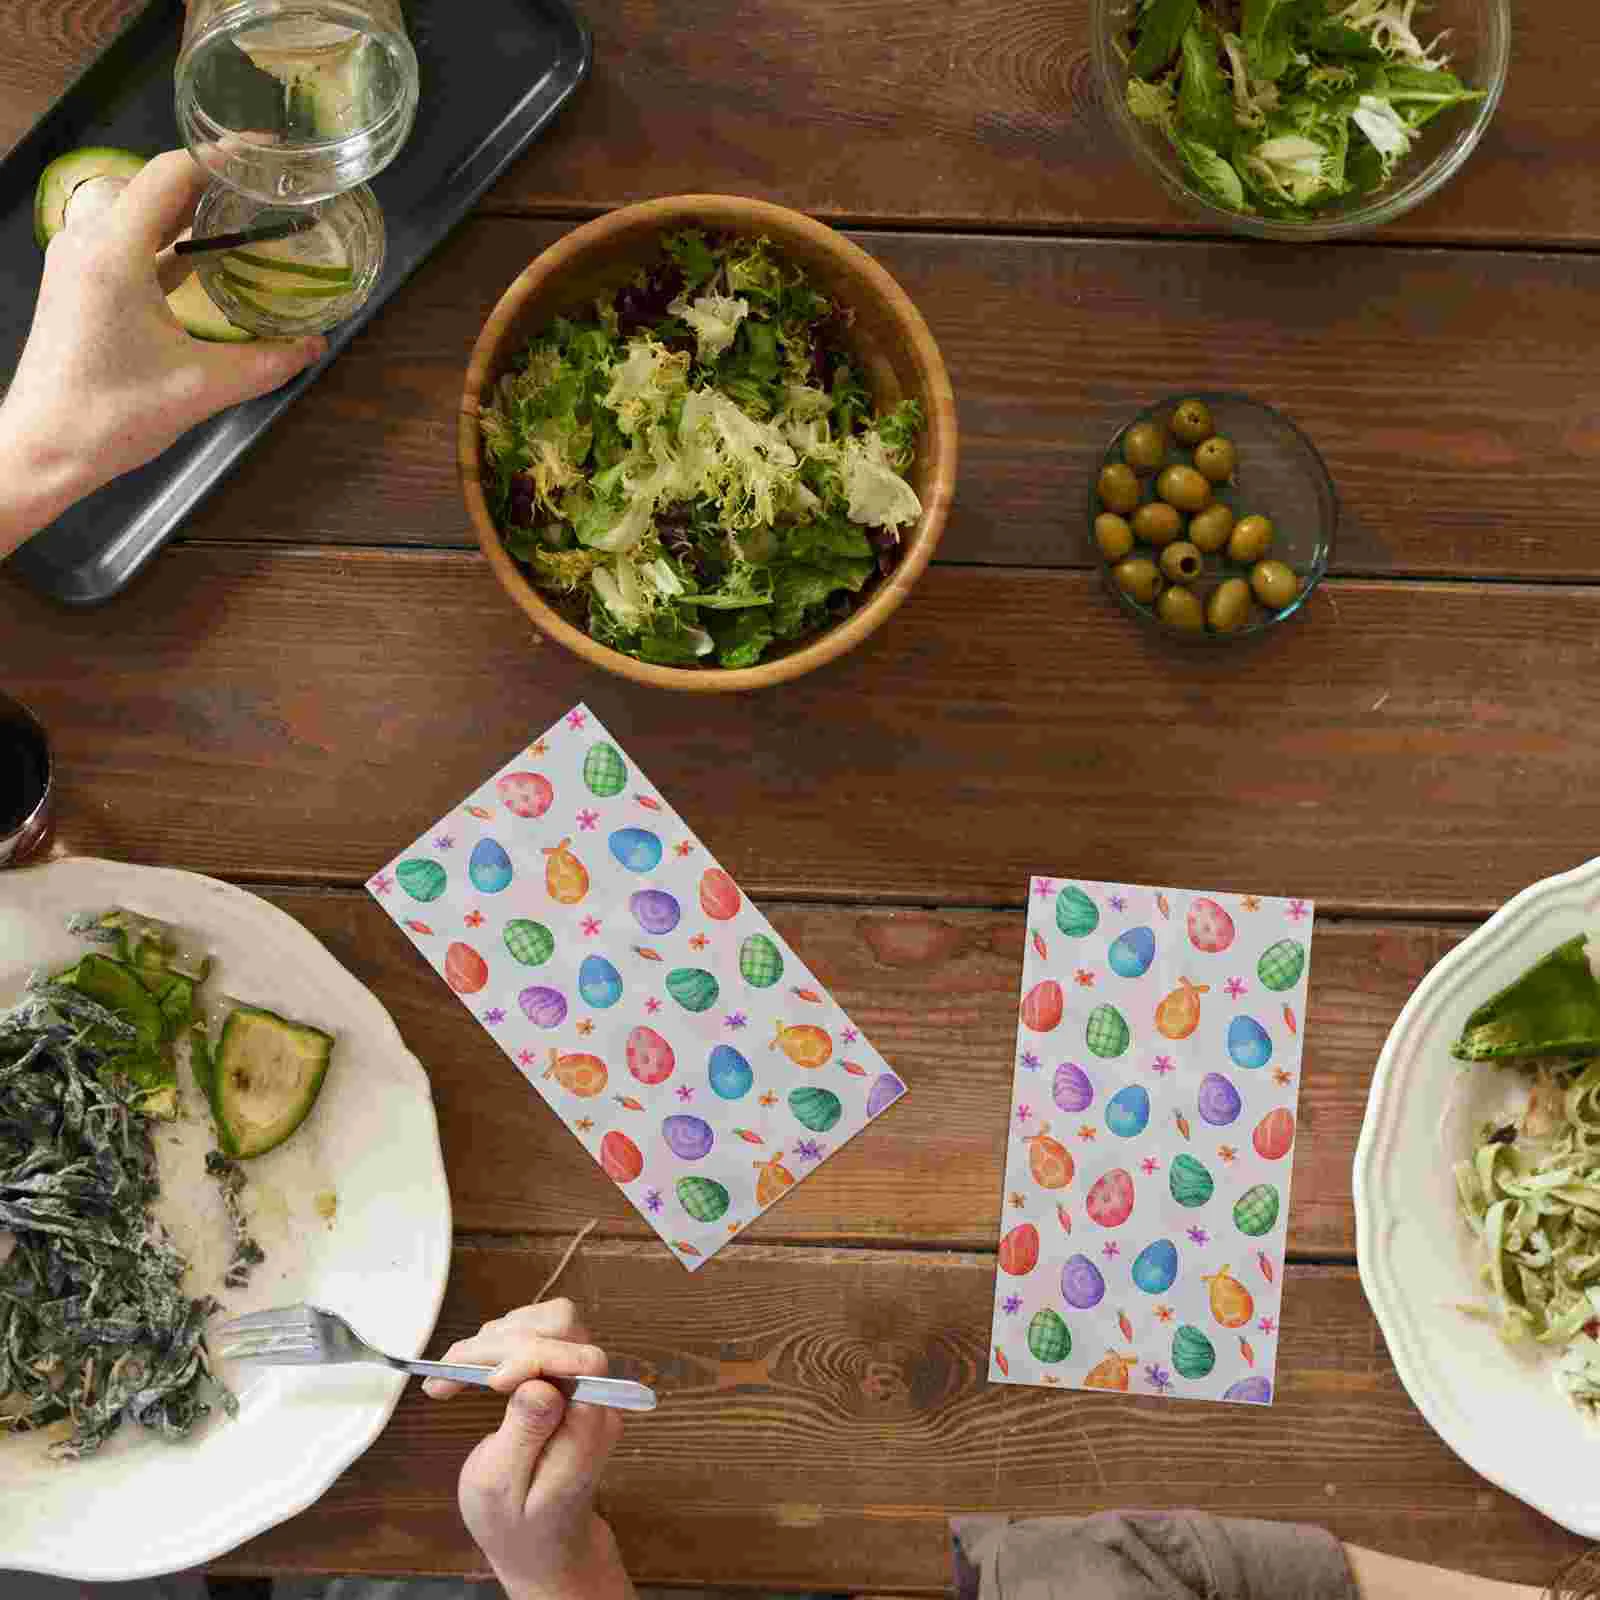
column 501, row 1468
column 229, row 374
column 172, row 269
column 555, row 1319
column 575, row 1459
column 516, row 1357
column 159, row 203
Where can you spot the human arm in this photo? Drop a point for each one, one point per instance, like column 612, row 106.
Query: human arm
column 1381, row 1577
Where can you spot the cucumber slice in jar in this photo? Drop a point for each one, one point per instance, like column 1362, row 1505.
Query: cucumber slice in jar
column 264, row 1076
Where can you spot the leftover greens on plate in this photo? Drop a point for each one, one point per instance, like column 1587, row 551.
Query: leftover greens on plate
column 1531, row 1191
column 1283, row 107
column 696, row 473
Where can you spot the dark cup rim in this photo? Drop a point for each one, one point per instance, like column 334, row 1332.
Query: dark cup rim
column 17, row 839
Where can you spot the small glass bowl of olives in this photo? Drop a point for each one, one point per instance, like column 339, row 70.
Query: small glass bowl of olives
column 1213, row 516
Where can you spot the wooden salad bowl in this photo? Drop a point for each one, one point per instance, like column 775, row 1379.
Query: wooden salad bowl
column 888, row 337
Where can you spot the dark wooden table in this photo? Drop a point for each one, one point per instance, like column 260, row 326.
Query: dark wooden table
column 322, row 665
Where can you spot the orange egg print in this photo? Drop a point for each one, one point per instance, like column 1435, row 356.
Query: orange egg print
column 1019, row 1250
column 1179, row 1014
column 719, row 895
column 1001, row 1362
column 1112, row 1373
column 565, row 876
column 464, row 969
column 805, row 1044
column 1274, row 1135
column 620, row 1158
column 1041, row 1011
column 584, row 1076
column 1231, row 1304
column 774, row 1180
column 1049, row 1160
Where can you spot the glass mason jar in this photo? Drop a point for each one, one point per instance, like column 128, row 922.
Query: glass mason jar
column 295, row 100
column 306, row 283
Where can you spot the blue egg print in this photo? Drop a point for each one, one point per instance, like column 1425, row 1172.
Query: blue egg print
column 1131, row 955
column 489, row 867
column 1155, row 1268
column 730, row 1073
column 1249, row 1044
column 599, row 983
column 637, row 849
column 1128, row 1111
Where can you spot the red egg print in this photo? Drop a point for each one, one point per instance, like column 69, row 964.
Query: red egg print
column 620, row 1157
column 1041, row 1011
column 1019, row 1250
column 650, row 1057
column 719, row 895
column 464, row 969
column 525, row 794
column 1274, row 1135
column 1110, row 1201
column 1210, row 927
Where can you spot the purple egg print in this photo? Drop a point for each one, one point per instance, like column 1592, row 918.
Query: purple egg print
column 655, row 910
column 885, row 1092
column 544, row 1008
column 1073, row 1091
column 1219, row 1101
column 1252, row 1391
column 688, row 1138
column 1082, row 1287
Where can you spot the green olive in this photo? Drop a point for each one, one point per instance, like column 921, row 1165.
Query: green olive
column 1274, row 583
column 1140, row 579
column 1191, row 421
column 1229, row 606
column 1250, row 540
column 1184, row 488
column 1209, row 529
column 1179, row 608
column 1113, row 535
column 1119, row 489
column 1181, row 562
column 1157, row 523
column 1144, row 447
column 1215, row 458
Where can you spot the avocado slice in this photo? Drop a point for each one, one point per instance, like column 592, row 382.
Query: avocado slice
column 67, row 174
column 1552, row 1009
column 146, row 1060
column 118, row 987
column 194, row 308
column 263, row 1078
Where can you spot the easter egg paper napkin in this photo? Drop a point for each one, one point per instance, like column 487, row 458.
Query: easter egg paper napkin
column 1146, row 1200
column 626, row 974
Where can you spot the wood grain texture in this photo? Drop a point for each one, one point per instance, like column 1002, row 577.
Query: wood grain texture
column 936, row 992
column 301, row 716
column 44, row 44
column 824, row 1412
column 1447, row 393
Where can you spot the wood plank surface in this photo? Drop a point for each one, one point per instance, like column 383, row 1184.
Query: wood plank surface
column 824, row 1412
column 1450, row 400
column 937, row 993
column 938, row 114
column 300, row 716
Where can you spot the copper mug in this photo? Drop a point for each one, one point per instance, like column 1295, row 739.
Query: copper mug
column 26, row 784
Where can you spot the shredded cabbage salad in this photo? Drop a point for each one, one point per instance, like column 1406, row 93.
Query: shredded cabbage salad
column 696, row 474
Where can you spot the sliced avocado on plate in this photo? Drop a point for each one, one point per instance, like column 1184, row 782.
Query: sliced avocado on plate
column 146, row 1060
column 262, row 1077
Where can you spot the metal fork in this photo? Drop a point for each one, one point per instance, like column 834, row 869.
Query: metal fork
column 308, row 1336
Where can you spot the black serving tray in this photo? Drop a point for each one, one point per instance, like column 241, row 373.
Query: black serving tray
column 493, row 75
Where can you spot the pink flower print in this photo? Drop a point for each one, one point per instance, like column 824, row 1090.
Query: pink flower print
column 590, row 926
column 685, row 1093
column 1044, row 887
column 1024, row 1115
column 525, row 1058
column 1199, row 1235
column 652, row 1005
column 1299, row 910
column 576, row 719
column 850, row 1035
column 587, row 820
column 1162, row 1065
column 1267, row 1325
column 1235, row 989
column 1110, row 1250
column 381, row 883
column 1149, row 1166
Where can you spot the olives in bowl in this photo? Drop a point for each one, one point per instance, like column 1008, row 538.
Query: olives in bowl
column 1220, row 519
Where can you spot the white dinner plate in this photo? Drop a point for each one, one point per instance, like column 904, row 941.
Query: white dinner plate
column 1495, row 1405
column 141, row 1507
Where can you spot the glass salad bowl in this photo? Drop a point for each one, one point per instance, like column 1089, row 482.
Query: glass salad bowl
column 1478, row 45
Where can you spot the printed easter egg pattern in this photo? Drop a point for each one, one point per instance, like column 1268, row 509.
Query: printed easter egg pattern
column 1041, row 1009
column 1249, row 1044
column 816, row 1109
column 1072, row 1090
column 693, row 988
column 1019, row 1250
column 1281, row 964
column 620, row 1157
column 886, row 1089
column 1218, row 1101
column 1083, row 1286
column 422, row 879
column 1049, row 1339
column 580, row 1074
column 599, row 983
column 1211, row 929
column 805, row 1044
column 1128, row 1111
column 1250, row 1392
column 1110, row 1201
column 525, row 794
column 719, row 895
column 655, row 910
column 1155, row 1268
column 1077, row 915
column 1231, row 1303
column 688, row 1138
column 464, row 969
column 704, row 1199
column 650, row 1057
column 1112, row 1373
column 637, row 849
column 565, row 876
column 760, row 964
column 1190, row 1183
column 1049, row 1160
column 1193, row 1354
column 1255, row 1212
column 489, row 867
column 542, row 1006
column 1274, row 1135
column 729, row 1073
column 1131, row 953
column 1179, row 1014
column 604, row 770
column 1106, row 1032
column 528, row 942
